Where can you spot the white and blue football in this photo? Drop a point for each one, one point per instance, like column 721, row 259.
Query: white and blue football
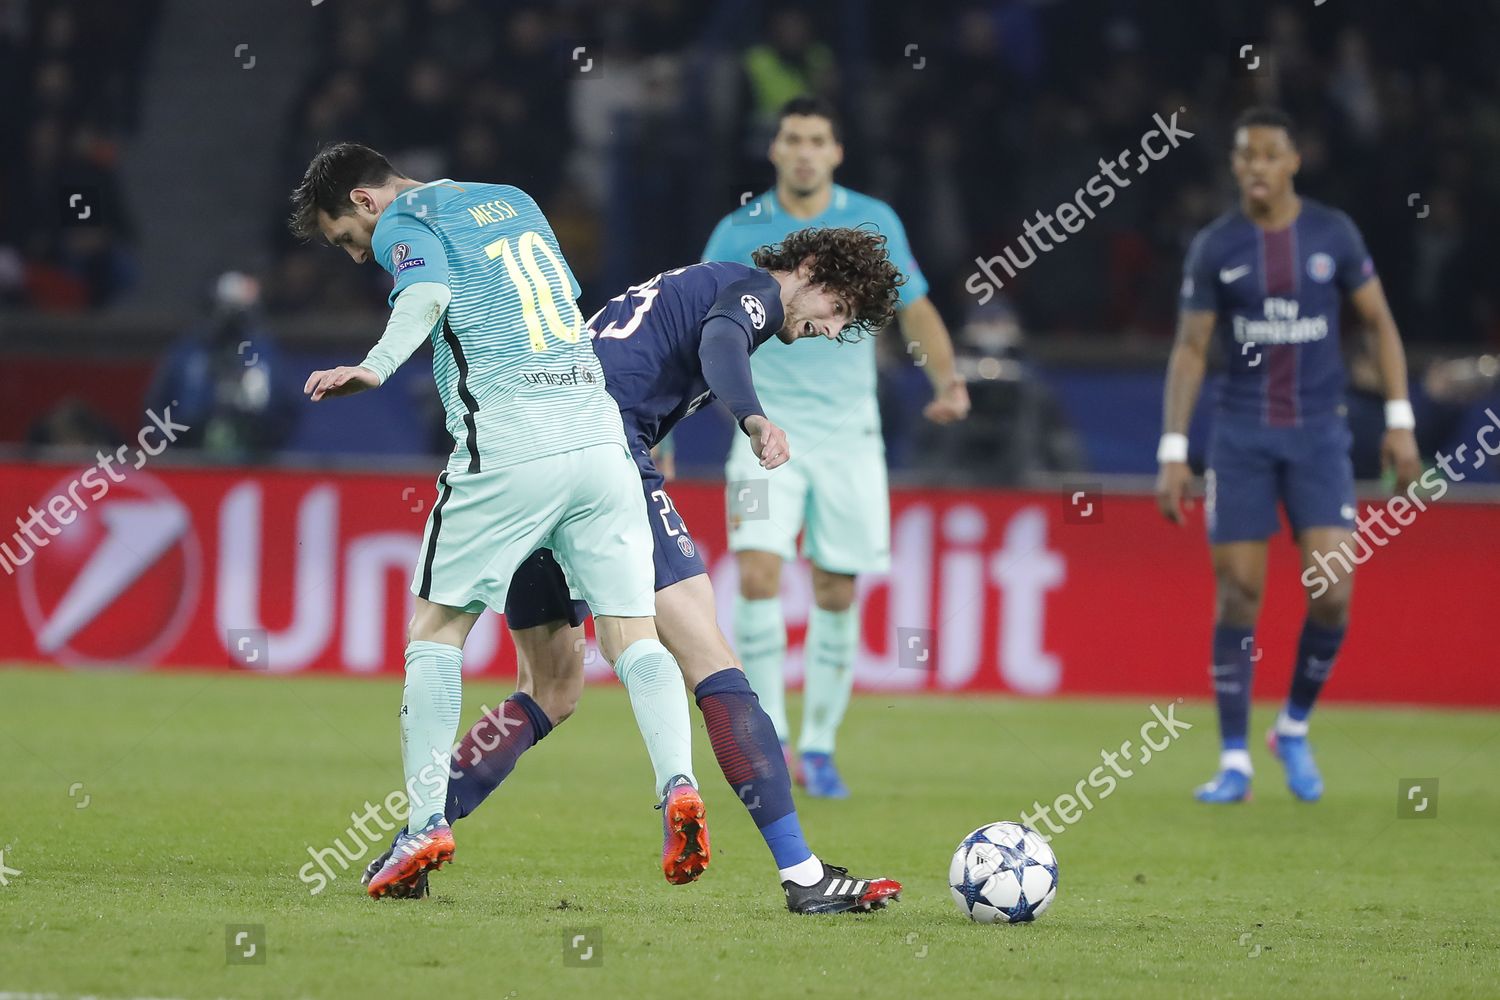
column 1003, row 873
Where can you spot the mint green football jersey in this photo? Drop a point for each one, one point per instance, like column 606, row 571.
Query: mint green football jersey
column 816, row 388
column 512, row 358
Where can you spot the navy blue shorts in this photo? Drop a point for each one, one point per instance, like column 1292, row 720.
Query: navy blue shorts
column 1252, row 469
column 539, row 590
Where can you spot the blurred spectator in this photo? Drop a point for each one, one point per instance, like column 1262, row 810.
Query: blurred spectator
column 1461, row 395
column 226, row 379
column 71, row 70
column 788, row 63
column 72, row 423
column 1016, row 428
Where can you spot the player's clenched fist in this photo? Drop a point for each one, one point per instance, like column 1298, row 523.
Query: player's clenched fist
column 768, row 441
column 950, row 405
column 1171, row 490
column 341, row 381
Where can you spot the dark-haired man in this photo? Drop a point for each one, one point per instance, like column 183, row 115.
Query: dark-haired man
column 836, row 495
column 540, row 461
column 1268, row 278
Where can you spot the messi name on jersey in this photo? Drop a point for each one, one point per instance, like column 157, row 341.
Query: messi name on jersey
column 489, row 212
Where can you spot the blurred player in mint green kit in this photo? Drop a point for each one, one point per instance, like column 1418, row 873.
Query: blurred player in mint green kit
column 539, row 461
column 834, row 492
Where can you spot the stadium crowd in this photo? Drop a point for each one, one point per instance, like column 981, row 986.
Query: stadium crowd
column 638, row 124
column 72, row 72
column 968, row 117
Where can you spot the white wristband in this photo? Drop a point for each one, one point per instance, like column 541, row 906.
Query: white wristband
column 1399, row 415
column 1173, row 448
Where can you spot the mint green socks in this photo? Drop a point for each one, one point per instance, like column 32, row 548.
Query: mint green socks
column 828, row 676
column 657, row 696
column 760, row 639
column 431, row 703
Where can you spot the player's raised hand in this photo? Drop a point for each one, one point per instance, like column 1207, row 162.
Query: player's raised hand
column 768, row 442
column 950, row 405
column 342, row 381
column 1398, row 451
column 1171, row 490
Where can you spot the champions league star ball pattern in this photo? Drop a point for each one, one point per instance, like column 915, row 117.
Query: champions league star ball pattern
column 1003, row 873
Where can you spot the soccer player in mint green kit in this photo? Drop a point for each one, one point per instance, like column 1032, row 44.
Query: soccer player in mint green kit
column 835, row 493
column 540, row 458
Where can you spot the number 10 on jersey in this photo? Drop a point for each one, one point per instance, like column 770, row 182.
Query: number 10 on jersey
column 542, row 299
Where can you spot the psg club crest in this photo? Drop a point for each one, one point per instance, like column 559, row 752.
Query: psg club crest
column 685, row 545
column 1320, row 268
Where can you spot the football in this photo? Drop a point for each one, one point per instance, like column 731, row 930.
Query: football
column 1003, row 873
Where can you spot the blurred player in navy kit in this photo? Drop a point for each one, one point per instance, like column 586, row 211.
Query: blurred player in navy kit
column 1268, row 279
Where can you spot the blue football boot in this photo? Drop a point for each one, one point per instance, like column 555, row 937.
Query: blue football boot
column 1302, row 775
column 1226, row 786
column 821, row 777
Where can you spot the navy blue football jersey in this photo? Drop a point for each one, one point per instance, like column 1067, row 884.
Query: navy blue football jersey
column 647, row 339
column 1277, row 296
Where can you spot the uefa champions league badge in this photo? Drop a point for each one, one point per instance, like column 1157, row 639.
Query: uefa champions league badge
column 1320, row 268
column 754, row 309
column 398, row 254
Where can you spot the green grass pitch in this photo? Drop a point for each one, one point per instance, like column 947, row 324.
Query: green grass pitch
column 145, row 817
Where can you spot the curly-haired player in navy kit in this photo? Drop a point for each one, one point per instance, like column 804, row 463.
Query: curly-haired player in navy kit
column 1268, row 278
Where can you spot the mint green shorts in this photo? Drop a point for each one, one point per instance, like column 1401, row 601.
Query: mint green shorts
column 585, row 505
column 836, row 496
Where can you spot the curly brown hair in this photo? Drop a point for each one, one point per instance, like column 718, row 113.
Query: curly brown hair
column 852, row 263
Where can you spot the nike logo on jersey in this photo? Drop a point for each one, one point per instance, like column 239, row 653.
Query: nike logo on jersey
column 1229, row 275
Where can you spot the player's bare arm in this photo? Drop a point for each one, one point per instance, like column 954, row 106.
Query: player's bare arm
column 929, row 344
column 1185, row 369
column 1398, row 448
